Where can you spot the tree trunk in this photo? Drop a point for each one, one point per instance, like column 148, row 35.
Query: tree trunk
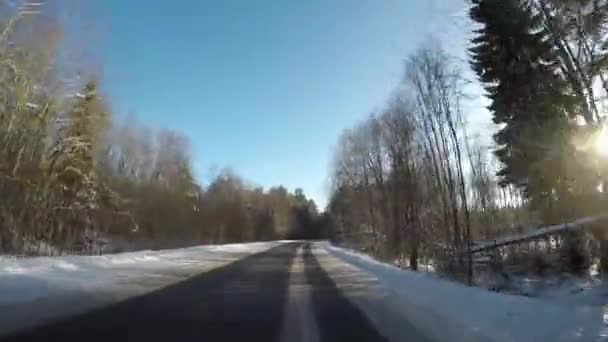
column 604, row 258
column 414, row 259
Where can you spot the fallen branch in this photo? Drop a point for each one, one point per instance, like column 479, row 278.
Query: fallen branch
column 582, row 223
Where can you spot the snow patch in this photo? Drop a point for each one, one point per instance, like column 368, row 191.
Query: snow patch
column 497, row 316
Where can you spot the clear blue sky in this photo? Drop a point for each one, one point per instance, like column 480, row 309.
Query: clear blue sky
column 266, row 86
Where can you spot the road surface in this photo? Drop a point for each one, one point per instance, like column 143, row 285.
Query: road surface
column 288, row 293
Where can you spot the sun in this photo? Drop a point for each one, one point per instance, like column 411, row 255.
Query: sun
column 601, row 142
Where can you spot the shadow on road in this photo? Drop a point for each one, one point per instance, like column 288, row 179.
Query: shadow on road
column 337, row 318
column 242, row 301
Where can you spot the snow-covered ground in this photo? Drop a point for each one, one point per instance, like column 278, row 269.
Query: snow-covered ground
column 433, row 303
column 585, row 290
column 35, row 290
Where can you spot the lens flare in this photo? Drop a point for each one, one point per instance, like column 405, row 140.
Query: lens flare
column 601, row 142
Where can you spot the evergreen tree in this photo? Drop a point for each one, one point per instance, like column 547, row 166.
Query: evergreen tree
column 72, row 163
column 578, row 30
column 520, row 72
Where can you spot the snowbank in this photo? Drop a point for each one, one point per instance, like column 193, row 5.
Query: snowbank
column 34, row 290
column 498, row 317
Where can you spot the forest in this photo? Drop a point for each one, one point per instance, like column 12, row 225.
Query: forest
column 412, row 184
column 76, row 179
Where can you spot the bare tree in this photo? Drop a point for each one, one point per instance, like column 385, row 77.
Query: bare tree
column 437, row 85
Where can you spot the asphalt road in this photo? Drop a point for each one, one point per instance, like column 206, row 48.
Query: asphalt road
column 252, row 299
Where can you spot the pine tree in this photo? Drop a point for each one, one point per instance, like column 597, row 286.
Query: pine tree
column 520, row 72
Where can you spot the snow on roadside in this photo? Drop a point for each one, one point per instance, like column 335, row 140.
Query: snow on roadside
column 35, row 290
column 24, row 279
column 584, row 290
column 498, row 316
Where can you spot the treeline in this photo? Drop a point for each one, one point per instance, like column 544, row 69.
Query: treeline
column 399, row 179
column 410, row 183
column 75, row 180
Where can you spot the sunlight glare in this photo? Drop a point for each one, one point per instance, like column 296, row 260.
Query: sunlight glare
column 601, row 143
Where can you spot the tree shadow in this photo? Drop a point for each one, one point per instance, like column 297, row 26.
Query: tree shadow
column 337, row 318
column 241, row 301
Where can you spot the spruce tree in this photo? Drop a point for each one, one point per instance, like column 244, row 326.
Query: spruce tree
column 519, row 69
column 72, row 163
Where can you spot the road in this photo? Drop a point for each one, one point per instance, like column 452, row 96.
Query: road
column 287, row 293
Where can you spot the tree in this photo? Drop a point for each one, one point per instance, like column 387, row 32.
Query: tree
column 399, row 137
column 71, row 163
column 577, row 30
column 437, row 86
column 27, row 106
column 73, row 180
column 400, row 189
column 519, row 68
column 279, row 202
column 72, row 168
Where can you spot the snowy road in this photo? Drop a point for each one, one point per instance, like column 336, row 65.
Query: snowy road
column 283, row 294
column 271, row 291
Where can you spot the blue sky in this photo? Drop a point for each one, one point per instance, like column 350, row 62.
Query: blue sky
column 264, row 87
